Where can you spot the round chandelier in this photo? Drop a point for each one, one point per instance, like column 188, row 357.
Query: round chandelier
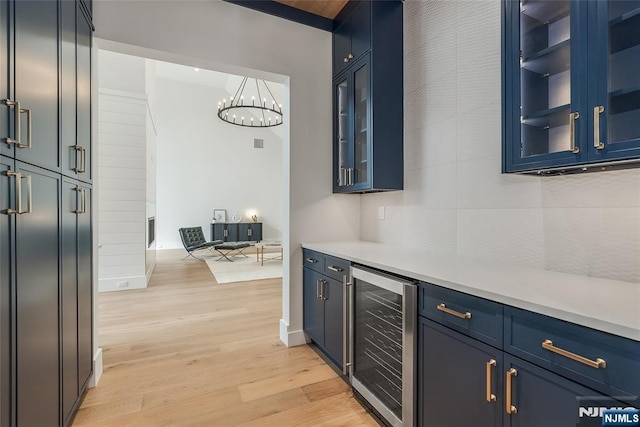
column 259, row 111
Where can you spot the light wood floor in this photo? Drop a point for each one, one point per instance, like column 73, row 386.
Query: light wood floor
column 189, row 352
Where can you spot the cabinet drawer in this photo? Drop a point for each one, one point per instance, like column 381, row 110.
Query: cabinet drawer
column 336, row 267
column 618, row 375
column 313, row 260
column 472, row 316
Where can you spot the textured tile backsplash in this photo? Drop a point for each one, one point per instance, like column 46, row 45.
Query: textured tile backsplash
column 456, row 200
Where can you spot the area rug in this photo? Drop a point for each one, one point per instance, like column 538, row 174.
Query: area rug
column 244, row 269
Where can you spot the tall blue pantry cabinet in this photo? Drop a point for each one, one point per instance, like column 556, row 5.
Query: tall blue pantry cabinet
column 45, row 211
column 571, row 84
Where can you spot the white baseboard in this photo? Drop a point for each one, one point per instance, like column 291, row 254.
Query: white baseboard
column 291, row 339
column 150, row 272
column 97, row 369
column 111, row 285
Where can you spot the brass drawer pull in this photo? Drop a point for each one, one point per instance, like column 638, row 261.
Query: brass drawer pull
column 510, row 407
column 311, row 260
column 490, row 396
column 332, row 268
column 598, row 363
column 444, row 308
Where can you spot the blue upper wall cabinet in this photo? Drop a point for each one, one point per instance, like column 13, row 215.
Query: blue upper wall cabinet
column 571, row 84
column 368, row 98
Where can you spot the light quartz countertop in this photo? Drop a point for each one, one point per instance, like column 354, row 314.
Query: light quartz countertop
column 607, row 305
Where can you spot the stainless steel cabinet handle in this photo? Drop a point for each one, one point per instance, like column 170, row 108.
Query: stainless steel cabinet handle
column 311, row 260
column 323, row 297
column 350, row 56
column 490, row 396
column 318, row 289
column 572, row 125
column 510, row 408
column 444, row 308
column 332, row 268
column 82, row 203
column 17, row 176
column 596, row 127
column 345, row 59
column 345, row 320
column 17, row 124
column 597, row 364
column 83, row 158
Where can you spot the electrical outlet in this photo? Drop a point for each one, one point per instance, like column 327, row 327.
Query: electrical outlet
column 123, row 284
column 381, row 212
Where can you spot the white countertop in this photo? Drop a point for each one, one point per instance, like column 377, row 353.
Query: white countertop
column 608, row 305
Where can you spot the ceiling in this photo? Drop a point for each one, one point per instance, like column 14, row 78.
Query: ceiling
column 326, row 8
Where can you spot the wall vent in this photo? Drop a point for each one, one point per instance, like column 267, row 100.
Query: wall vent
column 258, row 143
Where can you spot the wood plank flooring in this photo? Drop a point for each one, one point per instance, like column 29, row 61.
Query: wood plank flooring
column 189, row 352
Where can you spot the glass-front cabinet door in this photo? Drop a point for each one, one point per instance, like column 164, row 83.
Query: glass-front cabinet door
column 616, row 110
column 352, row 122
column 342, row 147
column 571, row 84
column 361, row 126
column 543, row 92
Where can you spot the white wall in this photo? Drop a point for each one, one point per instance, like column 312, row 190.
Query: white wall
column 207, row 164
column 126, row 168
column 226, row 37
column 456, row 200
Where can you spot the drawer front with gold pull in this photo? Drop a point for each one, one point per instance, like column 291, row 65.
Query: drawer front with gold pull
column 602, row 361
column 470, row 315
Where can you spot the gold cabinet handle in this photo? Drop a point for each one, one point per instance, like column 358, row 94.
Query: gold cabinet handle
column 596, row 127
column 311, row 260
column 444, row 308
column 597, row 364
column 572, row 125
column 332, row 268
column 510, row 408
column 490, row 396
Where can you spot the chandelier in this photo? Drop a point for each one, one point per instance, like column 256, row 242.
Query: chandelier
column 260, row 111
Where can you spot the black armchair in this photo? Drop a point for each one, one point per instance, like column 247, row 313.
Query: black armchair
column 193, row 240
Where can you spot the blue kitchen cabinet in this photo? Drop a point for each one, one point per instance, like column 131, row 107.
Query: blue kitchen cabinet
column 571, row 92
column 323, row 303
column 547, row 372
column 368, row 102
column 537, row 397
column 313, row 318
column 351, row 34
column 460, row 379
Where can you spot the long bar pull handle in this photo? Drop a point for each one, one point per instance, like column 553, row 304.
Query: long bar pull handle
column 444, row 308
column 81, row 166
column 17, row 176
column 311, row 260
column 345, row 321
column 82, row 203
column 572, row 125
column 28, row 144
column 510, row 408
column 596, row 127
column 29, row 194
column 490, row 396
column 332, row 268
column 323, row 296
column 16, row 122
column 318, row 288
column 597, row 364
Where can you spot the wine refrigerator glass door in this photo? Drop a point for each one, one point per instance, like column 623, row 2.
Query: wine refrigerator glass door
column 383, row 344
